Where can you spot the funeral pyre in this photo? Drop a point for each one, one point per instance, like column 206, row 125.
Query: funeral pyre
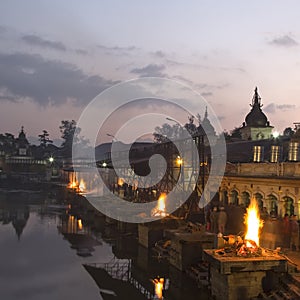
column 247, row 245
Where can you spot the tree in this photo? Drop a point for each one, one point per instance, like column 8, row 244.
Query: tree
column 289, row 132
column 69, row 134
column 44, row 139
column 8, row 143
column 236, row 133
column 166, row 132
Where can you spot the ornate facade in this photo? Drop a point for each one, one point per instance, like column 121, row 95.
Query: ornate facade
column 263, row 167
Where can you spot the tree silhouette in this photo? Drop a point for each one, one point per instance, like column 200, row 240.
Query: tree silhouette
column 69, row 133
column 44, row 139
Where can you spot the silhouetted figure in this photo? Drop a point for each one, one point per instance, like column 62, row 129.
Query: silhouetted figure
column 294, row 226
column 214, row 220
column 286, row 230
column 222, row 220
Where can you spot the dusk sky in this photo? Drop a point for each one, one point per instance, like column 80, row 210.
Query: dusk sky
column 56, row 56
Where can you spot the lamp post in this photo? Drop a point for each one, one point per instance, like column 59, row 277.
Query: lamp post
column 114, row 138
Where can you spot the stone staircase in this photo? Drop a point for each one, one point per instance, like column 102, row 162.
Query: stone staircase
column 288, row 289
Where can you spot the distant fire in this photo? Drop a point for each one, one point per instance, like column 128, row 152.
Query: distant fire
column 159, row 286
column 72, row 185
column 78, row 187
column 82, row 186
column 120, row 181
column 160, row 209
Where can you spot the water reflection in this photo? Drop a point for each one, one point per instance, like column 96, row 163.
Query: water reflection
column 62, row 249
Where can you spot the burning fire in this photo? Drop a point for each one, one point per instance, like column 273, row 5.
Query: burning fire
column 160, row 209
column 159, row 285
column 253, row 223
column 79, row 187
column 72, row 185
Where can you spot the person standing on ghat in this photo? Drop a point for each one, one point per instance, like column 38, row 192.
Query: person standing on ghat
column 214, row 220
column 222, row 220
column 294, row 228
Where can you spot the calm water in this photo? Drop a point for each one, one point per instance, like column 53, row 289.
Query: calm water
column 44, row 246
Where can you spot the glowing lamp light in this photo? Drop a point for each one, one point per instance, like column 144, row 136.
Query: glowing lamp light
column 276, row 134
column 51, row 159
column 179, row 161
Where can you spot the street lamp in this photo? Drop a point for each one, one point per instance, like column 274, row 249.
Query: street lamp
column 114, row 138
column 179, row 161
column 172, row 120
column 51, row 159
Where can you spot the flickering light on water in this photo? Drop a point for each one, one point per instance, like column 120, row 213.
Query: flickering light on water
column 253, row 223
column 79, row 223
column 159, row 286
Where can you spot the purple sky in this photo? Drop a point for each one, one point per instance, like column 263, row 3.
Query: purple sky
column 57, row 56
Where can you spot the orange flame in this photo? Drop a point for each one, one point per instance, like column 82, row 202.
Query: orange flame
column 160, row 209
column 253, row 223
column 73, row 185
column 120, row 181
column 159, row 285
column 81, row 186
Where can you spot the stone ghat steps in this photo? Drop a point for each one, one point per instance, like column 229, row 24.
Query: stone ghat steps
column 289, row 289
column 199, row 273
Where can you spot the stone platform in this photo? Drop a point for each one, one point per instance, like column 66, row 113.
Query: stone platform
column 235, row 278
column 186, row 248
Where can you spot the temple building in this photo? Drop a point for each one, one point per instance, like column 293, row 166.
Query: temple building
column 256, row 125
column 262, row 166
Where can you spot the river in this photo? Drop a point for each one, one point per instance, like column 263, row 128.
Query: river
column 48, row 250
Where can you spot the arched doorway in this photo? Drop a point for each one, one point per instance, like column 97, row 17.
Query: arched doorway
column 273, row 205
column 245, row 198
column 224, row 197
column 259, row 200
column 234, row 198
column 288, row 205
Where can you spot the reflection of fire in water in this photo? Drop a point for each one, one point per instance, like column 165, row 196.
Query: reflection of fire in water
column 79, row 224
column 159, row 286
column 160, row 209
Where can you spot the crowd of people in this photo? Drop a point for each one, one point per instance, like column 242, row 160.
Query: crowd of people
column 216, row 220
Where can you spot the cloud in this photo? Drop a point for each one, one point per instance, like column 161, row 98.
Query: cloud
column 284, row 41
column 41, row 42
column 273, row 108
column 206, row 94
column 81, row 51
column 2, row 29
column 150, row 70
column 159, row 54
column 48, row 82
column 117, row 48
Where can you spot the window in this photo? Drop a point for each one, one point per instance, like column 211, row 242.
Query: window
column 258, row 153
column 275, row 154
column 293, row 151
